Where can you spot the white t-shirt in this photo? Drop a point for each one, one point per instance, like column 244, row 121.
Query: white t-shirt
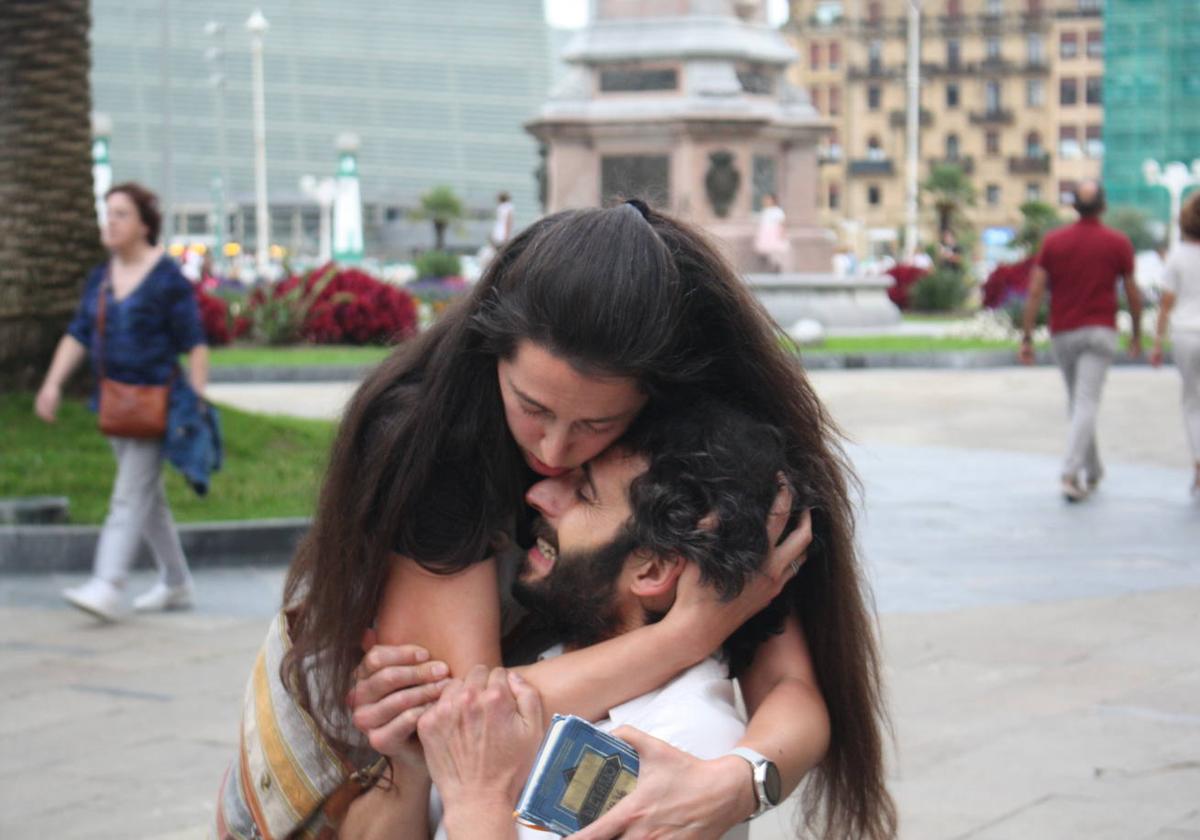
column 1182, row 277
column 694, row 712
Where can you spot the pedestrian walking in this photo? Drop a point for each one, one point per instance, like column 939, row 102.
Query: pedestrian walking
column 502, row 229
column 1080, row 265
column 136, row 315
column 1180, row 310
column 770, row 242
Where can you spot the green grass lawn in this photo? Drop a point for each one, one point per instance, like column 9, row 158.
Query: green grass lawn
column 304, row 355
column 272, row 464
column 902, row 344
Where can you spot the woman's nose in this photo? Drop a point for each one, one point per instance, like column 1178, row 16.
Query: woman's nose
column 555, row 446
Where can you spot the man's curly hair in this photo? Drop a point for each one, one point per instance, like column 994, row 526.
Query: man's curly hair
column 713, row 475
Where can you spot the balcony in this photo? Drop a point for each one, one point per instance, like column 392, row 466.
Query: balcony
column 870, row 166
column 994, row 116
column 871, row 71
column 899, row 119
column 1039, row 165
column 966, row 164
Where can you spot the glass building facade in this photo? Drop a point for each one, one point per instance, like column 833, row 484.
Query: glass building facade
column 436, row 92
column 1151, row 95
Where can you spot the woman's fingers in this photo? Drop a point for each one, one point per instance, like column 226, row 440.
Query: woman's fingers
column 373, row 715
column 781, row 510
column 787, row 557
column 396, row 678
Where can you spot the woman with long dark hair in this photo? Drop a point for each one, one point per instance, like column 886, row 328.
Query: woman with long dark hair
column 583, row 322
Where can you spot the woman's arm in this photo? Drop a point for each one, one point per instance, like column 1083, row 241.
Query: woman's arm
column 1165, row 305
column 67, row 357
column 390, row 810
column 455, row 617
column 198, row 368
column 789, row 721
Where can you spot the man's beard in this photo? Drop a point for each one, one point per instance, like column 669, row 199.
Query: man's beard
column 577, row 599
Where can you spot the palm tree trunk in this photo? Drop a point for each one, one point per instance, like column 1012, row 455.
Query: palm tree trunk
column 48, row 233
column 439, row 235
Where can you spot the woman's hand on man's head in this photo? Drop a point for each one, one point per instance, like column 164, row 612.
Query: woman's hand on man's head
column 706, row 620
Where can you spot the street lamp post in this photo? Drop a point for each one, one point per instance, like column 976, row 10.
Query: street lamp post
column 216, row 58
column 913, row 126
column 1175, row 178
column 257, row 25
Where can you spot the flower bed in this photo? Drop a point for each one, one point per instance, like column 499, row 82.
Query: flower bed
column 326, row 306
column 905, row 277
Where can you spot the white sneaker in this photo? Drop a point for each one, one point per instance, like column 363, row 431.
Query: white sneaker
column 1071, row 490
column 97, row 597
column 163, row 597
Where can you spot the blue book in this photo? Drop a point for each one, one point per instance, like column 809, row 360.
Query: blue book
column 579, row 773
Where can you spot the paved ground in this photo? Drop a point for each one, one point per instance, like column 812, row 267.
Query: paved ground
column 1042, row 659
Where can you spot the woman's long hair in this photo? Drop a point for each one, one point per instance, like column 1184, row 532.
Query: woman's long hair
column 424, row 465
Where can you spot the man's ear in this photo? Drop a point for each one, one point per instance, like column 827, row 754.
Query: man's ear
column 656, row 575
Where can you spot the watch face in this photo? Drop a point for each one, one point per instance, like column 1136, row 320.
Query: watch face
column 771, row 784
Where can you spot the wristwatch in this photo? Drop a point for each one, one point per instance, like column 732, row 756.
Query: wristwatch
column 767, row 786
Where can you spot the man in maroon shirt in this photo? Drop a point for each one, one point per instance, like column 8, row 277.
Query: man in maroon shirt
column 1081, row 264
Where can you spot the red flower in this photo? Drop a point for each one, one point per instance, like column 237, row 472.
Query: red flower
column 1007, row 281
column 905, row 277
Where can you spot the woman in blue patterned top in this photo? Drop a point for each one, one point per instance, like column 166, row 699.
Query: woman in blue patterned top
column 151, row 317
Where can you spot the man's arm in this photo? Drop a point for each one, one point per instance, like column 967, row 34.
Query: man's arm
column 1165, row 305
column 1033, row 303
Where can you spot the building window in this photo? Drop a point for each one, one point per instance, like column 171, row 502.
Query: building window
column 953, row 52
column 951, row 147
column 993, row 49
column 1068, row 91
column 1066, row 192
column 1035, row 93
column 874, row 195
column 833, row 150
column 1068, row 45
column 835, row 196
column 874, row 97
column 875, row 56
column 991, row 91
column 874, row 11
column 835, row 55
column 1068, row 142
column 954, row 8
column 814, row 96
column 1095, row 141
column 1094, row 90
column 1091, row 5
column 1033, row 145
column 991, row 142
column 995, row 8
column 835, row 100
column 1033, row 192
column 952, row 95
column 1035, row 48
column 874, row 149
column 993, row 195
column 814, row 56
column 1095, row 43
column 1033, row 7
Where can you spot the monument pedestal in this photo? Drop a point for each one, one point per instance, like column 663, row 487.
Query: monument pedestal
column 834, row 302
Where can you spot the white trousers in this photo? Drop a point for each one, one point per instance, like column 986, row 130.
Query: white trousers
column 138, row 511
column 1186, row 346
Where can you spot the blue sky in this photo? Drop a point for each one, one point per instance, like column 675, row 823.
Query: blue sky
column 573, row 13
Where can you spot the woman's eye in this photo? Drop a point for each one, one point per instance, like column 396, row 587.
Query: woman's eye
column 534, row 412
column 596, row 430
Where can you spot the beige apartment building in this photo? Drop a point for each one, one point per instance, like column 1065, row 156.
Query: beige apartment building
column 1011, row 91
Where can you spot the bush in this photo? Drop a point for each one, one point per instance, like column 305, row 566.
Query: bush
column 355, row 308
column 905, row 276
column 437, row 264
column 222, row 317
column 1006, row 281
column 942, row 290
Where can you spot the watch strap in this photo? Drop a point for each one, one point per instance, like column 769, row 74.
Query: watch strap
column 758, row 763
